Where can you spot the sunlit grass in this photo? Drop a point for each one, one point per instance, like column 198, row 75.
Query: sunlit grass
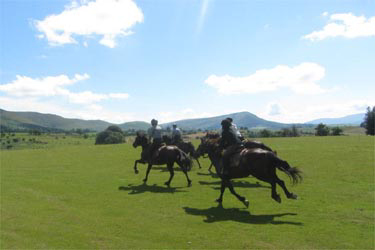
column 87, row 196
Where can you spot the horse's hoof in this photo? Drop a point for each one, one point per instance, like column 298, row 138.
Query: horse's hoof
column 136, row 171
column 144, row 180
column 247, row 203
column 219, row 200
column 277, row 198
column 293, row 196
column 167, row 183
column 189, row 184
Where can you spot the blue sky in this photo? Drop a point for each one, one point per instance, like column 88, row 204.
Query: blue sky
column 123, row 60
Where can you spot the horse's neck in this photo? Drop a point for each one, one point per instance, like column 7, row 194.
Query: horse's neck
column 145, row 146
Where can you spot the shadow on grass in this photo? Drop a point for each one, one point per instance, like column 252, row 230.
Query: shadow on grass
column 153, row 189
column 212, row 174
column 217, row 214
column 245, row 184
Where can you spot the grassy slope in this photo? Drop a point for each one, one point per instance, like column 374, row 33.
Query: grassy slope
column 69, row 197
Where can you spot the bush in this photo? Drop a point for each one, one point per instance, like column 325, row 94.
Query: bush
column 336, row 131
column 322, row 130
column 112, row 135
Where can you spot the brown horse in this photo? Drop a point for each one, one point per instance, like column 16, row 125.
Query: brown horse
column 257, row 162
column 163, row 155
column 247, row 144
column 187, row 147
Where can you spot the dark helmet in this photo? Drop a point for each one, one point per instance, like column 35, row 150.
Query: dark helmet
column 225, row 123
column 174, row 125
column 154, row 122
column 230, row 119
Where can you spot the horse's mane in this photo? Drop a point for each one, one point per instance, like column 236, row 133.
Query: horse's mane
column 212, row 135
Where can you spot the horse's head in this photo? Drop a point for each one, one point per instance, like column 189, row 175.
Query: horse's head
column 207, row 146
column 140, row 139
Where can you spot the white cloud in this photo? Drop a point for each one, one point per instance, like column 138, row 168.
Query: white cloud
column 87, row 112
column 47, row 86
column 346, row 25
column 202, row 14
column 274, row 109
column 50, row 86
column 106, row 18
column 291, row 113
column 300, row 79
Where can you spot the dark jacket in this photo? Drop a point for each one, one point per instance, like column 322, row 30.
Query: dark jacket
column 229, row 138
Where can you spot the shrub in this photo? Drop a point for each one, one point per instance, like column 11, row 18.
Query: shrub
column 336, row 131
column 321, row 130
column 112, row 135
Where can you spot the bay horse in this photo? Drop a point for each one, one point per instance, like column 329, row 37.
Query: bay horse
column 247, row 144
column 164, row 155
column 257, row 162
column 187, row 147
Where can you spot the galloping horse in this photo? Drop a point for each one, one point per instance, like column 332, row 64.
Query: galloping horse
column 187, row 147
column 247, row 144
column 257, row 162
column 163, row 155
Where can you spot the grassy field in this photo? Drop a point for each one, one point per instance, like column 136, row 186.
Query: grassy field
column 76, row 196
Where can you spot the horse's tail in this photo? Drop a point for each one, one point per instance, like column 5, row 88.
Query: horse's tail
column 185, row 160
column 294, row 173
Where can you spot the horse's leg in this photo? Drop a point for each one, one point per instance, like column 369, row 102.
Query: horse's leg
column 198, row 162
column 179, row 163
column 287, row 193
column 135, row 165
column 171, row 174
column 209, row 169
column 147, row 172
column 274, row 194
column 242, row 199
column 222, row 189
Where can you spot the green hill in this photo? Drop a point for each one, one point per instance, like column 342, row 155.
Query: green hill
column 50, row 122
column 137, row 125
column 241, row 119
column 27, row 120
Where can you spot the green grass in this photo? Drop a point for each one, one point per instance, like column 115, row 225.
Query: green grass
column 87, row 196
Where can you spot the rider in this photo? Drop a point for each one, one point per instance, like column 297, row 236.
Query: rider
column 154, row 133
column 230, row 142
column 235, row 129
column 176, row 134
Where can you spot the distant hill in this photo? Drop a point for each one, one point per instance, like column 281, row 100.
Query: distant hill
column 27, row 120
column 355, row 119
column 241, row 119
column 137, row 125
column 50, row 122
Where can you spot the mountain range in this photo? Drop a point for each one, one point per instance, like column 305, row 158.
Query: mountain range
column 51, row 122
column 355, row 119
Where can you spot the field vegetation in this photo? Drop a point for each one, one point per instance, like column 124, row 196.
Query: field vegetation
column 72, row 194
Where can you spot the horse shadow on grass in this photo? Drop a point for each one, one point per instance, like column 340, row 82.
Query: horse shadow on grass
column 143, row 188
column 212, row 174
column 218, row 214
column 244, row 184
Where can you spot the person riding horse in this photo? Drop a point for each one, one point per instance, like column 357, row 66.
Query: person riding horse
column 176, row 134
column 155, row 133
column 235, row 129
column 230, row 142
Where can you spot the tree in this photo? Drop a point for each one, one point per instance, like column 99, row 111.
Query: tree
column 369, row 121
column 321, row 130
column 265, row 133
column 112, row 135
column 336, row 131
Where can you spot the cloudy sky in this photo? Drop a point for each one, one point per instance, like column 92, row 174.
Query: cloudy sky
column 126, row 60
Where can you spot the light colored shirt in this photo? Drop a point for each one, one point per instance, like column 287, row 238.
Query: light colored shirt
column 235, row 130
column 154, row 132
column 176, row 131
